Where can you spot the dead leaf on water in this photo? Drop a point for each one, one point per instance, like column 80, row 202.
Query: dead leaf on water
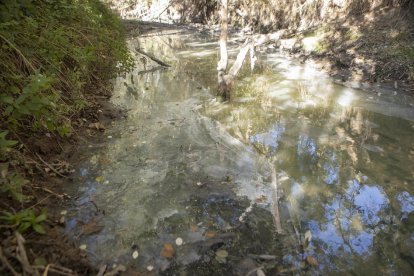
column 167, row 251
column 210, row 234
column 311, row 261
column 91, row 228
column 261, row 199
column 97, row 126
column 221, row 255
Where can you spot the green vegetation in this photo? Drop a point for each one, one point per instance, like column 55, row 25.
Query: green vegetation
column 26, row 219
column 56, row 54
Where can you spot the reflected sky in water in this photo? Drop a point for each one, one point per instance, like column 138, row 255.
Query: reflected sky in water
column 343, row 159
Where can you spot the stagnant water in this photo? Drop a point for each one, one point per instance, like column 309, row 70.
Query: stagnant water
column 183, row 165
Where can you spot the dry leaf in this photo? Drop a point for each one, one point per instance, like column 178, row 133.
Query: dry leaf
column 210, row 234
column 97, row 126
column 167, row 251
column 311, row 261
column 91, row 228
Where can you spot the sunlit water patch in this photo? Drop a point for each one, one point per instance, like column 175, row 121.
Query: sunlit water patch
column 185, row 183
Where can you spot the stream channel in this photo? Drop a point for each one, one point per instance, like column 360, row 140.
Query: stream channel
column 188, row 182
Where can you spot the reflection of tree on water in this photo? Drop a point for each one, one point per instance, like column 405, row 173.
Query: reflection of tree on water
column 340, row 161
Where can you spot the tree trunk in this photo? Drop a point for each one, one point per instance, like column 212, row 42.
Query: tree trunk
column 226, row 80
column 222, row 64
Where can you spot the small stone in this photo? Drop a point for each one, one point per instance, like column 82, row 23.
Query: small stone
column 179, row 241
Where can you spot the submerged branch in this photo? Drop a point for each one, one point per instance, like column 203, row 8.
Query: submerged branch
column 275, row 202
column 160, row 62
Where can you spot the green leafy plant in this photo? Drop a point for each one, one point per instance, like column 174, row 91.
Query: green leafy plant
column 26, row 219
column 54, row 56
column 5, row 144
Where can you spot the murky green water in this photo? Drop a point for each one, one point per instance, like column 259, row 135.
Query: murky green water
column 186, row 166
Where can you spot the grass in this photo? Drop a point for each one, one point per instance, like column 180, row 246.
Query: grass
column 55, row 55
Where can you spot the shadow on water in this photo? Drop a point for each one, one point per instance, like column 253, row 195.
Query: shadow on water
column 184, row 167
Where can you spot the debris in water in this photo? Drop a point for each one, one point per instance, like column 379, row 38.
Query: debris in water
column 82, row 247
column 221, row 255
column 100, row 179
column 179, row 241
column 91, row 228
column 167, row 251
column 210, row 234
column 97, row 126
column 260, row 272
column 308, row 238
column 311, row 261
column 135, row 254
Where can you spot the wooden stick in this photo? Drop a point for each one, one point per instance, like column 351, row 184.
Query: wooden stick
column 160, row 62
column 7, row 264
column 275, row 202
column 50, row 167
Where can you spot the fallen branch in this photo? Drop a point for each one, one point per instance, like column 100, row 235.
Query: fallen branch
column 60, row 196
column 275, row 202
column 55, row 269
column 160, row 62
column 50, row 167
column 4, row 260
column 151, row 70
column 22, row 256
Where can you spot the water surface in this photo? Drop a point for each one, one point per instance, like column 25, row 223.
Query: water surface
column 185, row 165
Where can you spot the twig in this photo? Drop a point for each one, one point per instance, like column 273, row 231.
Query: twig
column 46, row 270
column 56, row 269
column 39, row 202
column 22, row 256
column 50, row 192
column 151, row 70
column 275, row 202
column 253, row 271
column 160, row 62
column 50, row 167
column 102, row 270
column 7, row 264
column 262, row 257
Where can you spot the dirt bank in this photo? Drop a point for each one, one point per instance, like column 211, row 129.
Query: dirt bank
column 376, row 47
column 46, row 163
